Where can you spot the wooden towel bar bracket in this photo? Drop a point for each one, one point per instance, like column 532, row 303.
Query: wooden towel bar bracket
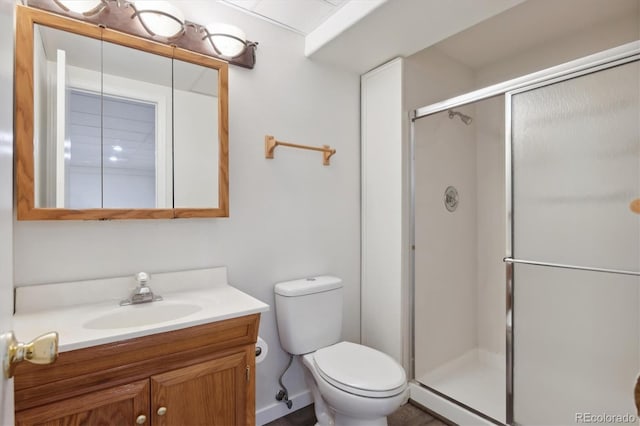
column 270, row 144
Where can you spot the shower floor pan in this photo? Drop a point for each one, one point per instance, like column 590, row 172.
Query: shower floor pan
column 476, row 379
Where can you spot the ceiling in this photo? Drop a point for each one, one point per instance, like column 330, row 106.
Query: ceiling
column 358, row 35
column 301, row 16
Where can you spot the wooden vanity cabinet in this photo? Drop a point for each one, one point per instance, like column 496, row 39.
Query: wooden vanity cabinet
column 203, row 375
column 114, row 406
column 203, row 394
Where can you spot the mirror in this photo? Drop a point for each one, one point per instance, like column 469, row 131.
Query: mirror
column 115, row 126
column 195, row 96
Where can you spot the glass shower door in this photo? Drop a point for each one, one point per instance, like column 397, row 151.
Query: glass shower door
column 576, row 170
column 459, row 247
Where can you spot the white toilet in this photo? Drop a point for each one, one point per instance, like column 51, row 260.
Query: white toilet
column 352, row 385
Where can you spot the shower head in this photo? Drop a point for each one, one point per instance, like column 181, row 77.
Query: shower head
column 465, row 118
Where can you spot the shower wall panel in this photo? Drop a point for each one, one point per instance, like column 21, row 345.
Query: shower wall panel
column 445, row 255
column 491, row 224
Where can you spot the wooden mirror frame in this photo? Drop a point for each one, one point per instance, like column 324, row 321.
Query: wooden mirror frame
column 26, row 18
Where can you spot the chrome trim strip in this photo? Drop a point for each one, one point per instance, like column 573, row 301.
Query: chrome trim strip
column 510, row 260
column 412, row 249
column 509, row 334
column 595, row 60
column 578, row 73
column 510, row 391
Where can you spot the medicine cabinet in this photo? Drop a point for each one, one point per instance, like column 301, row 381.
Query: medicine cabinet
column 112, row 126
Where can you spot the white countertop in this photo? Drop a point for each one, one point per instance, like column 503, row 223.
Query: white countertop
column 74, row 323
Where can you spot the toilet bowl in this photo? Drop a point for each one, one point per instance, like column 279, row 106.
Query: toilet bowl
column 354, row 385
column 351, row 384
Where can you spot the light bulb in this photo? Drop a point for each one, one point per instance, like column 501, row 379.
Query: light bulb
column 160, row 17
column 227, row 40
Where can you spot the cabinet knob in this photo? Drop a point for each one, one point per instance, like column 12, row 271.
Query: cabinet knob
column 141, row 419
column 162, row 411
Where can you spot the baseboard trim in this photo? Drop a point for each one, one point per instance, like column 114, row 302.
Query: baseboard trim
column 279, row 409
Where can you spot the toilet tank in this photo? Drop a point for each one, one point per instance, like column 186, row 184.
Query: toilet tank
column 309, row 313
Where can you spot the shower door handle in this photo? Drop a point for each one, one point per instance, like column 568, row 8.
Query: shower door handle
column 565, row 266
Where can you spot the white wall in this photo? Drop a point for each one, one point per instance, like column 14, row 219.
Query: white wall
column 432, row 76
column 383, row 250
column 6, row 197
column 572, row 46
column 290, row 217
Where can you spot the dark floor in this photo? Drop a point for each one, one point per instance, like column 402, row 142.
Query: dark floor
column 407, row 415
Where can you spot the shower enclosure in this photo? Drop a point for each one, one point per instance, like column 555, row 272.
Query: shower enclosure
column 526, row 268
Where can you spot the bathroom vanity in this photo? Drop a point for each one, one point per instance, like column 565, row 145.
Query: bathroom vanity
column 195, row 369
column 198, row 375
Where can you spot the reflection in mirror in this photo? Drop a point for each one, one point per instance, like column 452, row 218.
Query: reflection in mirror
column 137, row 128
column 60, row 166
column 102, row 118
column 196, row 142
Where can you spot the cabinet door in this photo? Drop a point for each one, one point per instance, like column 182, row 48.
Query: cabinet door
column 120, row 405
column 212, row 393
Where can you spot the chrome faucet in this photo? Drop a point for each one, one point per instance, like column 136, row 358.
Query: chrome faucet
column 142, row 293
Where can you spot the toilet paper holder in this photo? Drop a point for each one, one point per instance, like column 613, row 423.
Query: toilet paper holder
column 262, row 349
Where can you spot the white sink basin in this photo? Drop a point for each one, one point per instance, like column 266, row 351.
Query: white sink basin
column 141, row 314
column 87, row 314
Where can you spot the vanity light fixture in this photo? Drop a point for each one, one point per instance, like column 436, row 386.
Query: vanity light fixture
column 162, row 22
column 84, row 7
column 159, row 17
column 227, row 40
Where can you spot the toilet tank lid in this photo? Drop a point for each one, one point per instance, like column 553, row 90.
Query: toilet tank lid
column 309, row 285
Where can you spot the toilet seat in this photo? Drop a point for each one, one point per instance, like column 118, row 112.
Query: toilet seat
column 360, row 370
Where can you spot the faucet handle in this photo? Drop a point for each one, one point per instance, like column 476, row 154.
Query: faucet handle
column 142, row 278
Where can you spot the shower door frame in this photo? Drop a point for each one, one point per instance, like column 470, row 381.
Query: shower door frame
column 626, row 53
